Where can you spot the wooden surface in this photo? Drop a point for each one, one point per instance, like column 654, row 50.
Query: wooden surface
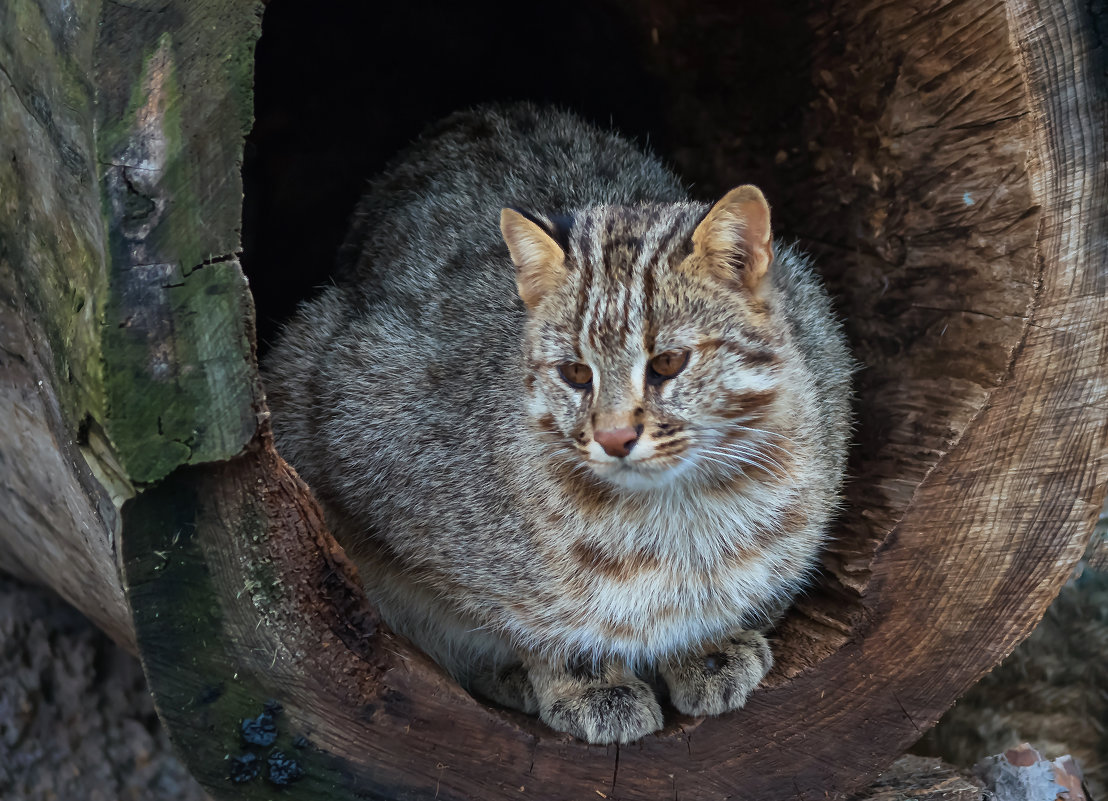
column 946, row 161
column 173, row 106
column 58, row 494
column 913, row 778
column 127, row 323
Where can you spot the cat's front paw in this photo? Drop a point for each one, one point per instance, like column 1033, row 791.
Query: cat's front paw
column 509, row 686
column 613, row 707
column 604, row 714
column 718, row 679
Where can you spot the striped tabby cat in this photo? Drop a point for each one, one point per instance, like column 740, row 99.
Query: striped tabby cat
column 615, row 460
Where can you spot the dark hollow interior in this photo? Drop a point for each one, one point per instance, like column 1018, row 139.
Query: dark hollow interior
column 719, row 89
column 342, row 86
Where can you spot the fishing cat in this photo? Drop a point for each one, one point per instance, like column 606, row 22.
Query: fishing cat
column 573, row 428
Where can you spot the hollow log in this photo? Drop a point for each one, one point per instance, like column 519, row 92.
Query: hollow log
column 946, row 161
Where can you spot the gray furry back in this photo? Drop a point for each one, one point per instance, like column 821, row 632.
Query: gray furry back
column 437, row 205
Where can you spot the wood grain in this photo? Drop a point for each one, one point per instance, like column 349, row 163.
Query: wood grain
column 921, row 779
column 58, row 482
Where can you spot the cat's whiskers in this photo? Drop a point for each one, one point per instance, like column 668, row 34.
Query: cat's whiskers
column 580, row 467
column 765, row 432
column 750, row 451
column 729, row 427
column 757, row 444
column 701, row 449
column 575, row 465
column 566, row 455
column 697, row 467
column 749, row 455
column 744, row 450
column 733, row 466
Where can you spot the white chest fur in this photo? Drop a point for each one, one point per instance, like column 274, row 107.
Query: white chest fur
column 651, row 582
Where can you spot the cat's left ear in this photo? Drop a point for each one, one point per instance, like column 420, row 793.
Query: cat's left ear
column 540, row 262
column 735, row 237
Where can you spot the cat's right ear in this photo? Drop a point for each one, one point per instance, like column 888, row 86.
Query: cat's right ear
column 540, row 262
column 734, row 239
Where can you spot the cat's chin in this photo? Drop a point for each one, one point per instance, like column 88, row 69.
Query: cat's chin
column 637, row 478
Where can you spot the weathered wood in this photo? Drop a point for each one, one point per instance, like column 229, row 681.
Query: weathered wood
column 173, row 106
column 127, row 329
column 1050, row 691
column 946, row 159
column 914, row 778
column 58, row 522
column 898, row 154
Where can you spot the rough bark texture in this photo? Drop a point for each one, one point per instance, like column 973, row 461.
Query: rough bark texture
column 57, row 518
column 119, row 178
column 913, row 778
column 947, row 161
column 905, row 167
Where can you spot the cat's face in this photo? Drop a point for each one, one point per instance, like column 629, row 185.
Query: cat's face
column 651, row 354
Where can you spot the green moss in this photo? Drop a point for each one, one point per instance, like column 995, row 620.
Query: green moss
column 181, row 631
column 146, row 338
column 50, row 234
column 186, row 397
column 205, row 672
column 181, row 383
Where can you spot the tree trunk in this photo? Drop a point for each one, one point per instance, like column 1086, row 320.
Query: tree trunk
column 947, row 162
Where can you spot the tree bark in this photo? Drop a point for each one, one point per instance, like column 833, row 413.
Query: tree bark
column 128, row 324
column 921, row 779
column 946, row 160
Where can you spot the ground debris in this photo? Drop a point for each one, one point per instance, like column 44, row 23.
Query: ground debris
column 76, row 718
column 245, row 767
column 1023, row 774
column 283, row 769
column 261, row 730
column 921, row 779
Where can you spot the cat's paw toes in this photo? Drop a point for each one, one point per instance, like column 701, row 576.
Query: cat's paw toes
column 605, row 714
column 718, row 680
column 510, row 687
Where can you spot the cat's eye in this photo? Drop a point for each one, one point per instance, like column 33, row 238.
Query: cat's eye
column 666, row 365
column 577, row 375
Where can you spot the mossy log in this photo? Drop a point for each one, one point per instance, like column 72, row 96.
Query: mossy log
column 945, row 160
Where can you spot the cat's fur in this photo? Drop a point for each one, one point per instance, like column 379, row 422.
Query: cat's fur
column 422, row 401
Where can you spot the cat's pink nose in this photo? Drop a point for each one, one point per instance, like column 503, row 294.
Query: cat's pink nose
column 617, row 441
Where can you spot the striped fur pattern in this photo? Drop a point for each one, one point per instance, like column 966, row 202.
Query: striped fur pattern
column 427, row 406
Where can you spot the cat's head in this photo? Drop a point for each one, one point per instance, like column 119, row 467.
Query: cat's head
column 652, row 350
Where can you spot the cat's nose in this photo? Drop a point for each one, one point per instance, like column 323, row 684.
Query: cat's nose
column 617, row 441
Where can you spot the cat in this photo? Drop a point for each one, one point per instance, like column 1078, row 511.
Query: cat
column 577, row 431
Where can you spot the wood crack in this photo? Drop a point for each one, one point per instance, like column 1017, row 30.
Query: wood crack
column 18, row 95
column 1001, row 317
column 905, row 711
column 615, row 773
column 222, row 259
